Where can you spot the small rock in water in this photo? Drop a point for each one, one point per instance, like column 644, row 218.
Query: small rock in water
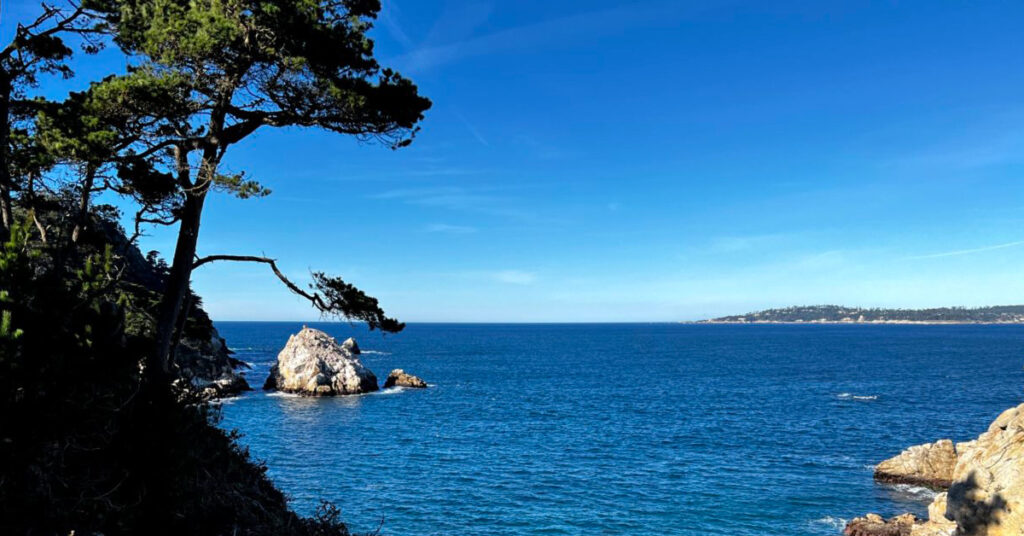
column 398, row 378
column 351, row 345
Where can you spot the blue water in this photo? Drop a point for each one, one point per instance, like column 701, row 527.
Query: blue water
column 626, row 429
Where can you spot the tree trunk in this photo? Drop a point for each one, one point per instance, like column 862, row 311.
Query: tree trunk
column 83, row 202
column 178, row 279
column 6, row 205
column 188, row 236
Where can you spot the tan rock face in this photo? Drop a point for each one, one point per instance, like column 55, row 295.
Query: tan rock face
column 987, row 495
column 398, row 378
column 937, row 509
column 930, row 465
column 313, row 363
column 937, row 524
column 932, row 528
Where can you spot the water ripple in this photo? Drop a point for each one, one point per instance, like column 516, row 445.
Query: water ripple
column 626, row 429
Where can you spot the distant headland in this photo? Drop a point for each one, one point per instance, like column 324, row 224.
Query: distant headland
column 837, row 314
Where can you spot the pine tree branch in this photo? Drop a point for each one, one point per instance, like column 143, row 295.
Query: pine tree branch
column 314, row 298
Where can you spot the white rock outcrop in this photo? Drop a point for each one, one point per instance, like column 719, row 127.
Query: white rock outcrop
column 313, row 363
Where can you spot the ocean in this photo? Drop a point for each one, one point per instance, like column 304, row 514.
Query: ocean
column 632, row 429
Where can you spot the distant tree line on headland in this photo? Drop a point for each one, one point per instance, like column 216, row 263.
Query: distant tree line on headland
column 1001, row 314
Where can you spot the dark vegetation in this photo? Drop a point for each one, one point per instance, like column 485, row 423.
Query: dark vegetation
column 1002, row 314
column 97, row 436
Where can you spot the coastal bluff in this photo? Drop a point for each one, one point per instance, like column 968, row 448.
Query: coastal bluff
column 313, row 363
column 985, row 495
column 838, row 314
column 928, row 465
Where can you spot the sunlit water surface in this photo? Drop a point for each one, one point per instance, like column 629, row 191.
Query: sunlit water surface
column 625, row 429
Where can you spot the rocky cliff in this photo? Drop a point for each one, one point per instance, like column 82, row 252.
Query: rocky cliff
column 202, row 355
column 986, row 490
column 929, row 465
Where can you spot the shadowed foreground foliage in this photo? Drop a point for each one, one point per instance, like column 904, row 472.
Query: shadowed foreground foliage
column 96, row 436
column 86, row 443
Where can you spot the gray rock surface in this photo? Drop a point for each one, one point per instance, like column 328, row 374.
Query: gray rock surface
column 352, row 346
column 208, row 368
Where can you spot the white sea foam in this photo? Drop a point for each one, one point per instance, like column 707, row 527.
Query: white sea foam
column 228, row 400
column 916, row 492
column 837, row 523
column 283, row 394
column 388, row 391
column 374, row 352
column 851, row 396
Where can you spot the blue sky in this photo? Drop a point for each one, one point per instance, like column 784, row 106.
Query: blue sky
column 652, row 161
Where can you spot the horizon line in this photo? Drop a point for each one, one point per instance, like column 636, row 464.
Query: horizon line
column 470, row 322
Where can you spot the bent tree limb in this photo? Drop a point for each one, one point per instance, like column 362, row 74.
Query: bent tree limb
column 331, row 295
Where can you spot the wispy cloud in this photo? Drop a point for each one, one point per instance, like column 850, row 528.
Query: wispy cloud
column 473, row 130
column 735, row 244
column 958, row 252
column 458, row 21
column 389, row 14
column 451, row 229
column 539, row 149
column 441, row 196
column 992, row 154
column 514, row 277
column 558, row 30
column 458, row 199
column 509, row 276
column 993, row 139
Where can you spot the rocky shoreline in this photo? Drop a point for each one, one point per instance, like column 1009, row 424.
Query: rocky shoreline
column 983, row 479
column 206, row 367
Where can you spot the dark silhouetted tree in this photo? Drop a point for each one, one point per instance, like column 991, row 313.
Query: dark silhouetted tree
column 248, row 64
column 37, row 47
